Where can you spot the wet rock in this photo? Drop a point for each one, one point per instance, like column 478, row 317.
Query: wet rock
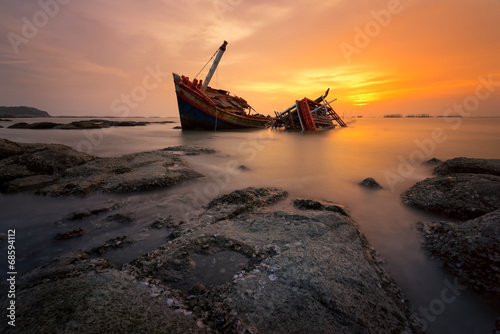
column 198, row 289
column 31, row 183
column 168, row 222
column 209, row 260
column 58, row 170
column 461, row 196
column 86, row 124
column 68, row 235
column 66, row 127
column 38, row 159
column 9, row 148
column 319, row 272
column 272, row 271
column 243, row 167
column 99, row 123
column 471, row 250
column 114, row 243
column 77, row 294
column 239, row 201
column 308, row 267
column 307, row 204
column 120, row 218
column 469, row 166
column 86, row 213
column 70, row 265
column 433, row 161
column 189, row 150
column 79, row 215
column 370, row 183
column 33, row 126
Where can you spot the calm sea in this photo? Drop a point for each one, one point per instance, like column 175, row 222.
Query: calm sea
column 324, row 166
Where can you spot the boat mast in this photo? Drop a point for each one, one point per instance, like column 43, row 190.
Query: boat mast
column 214, row 66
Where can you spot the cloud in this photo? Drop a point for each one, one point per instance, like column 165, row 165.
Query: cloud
column 93, row 51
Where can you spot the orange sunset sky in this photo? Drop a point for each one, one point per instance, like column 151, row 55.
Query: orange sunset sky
column 377, row 57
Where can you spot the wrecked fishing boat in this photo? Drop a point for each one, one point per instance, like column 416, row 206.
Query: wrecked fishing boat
column 307, row 114
column 206, row 108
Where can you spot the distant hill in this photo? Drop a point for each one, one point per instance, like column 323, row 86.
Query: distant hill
column 22, row 111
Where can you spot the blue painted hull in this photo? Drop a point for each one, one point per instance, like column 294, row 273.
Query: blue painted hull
column 193, row 118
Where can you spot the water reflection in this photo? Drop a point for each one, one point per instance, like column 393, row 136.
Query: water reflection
column 325, row 166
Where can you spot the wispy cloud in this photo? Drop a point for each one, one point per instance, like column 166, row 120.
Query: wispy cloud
column 93, row 51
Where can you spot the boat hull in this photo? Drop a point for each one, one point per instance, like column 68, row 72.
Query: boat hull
column 197, row 111
column 194, row 118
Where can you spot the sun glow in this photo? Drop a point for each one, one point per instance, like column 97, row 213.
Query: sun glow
column 363, row 99
column 277, row 53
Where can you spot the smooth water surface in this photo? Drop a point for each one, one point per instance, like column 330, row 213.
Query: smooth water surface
column 326, row 166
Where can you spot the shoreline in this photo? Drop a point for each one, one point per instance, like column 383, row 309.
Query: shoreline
column 188, row 229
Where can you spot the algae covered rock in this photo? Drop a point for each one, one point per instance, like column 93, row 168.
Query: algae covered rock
column 464, row 189
column 59, row 170
column 461, row 196
column 76, row 294
column 471, row 249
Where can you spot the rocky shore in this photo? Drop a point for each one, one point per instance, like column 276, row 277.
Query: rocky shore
column 238, row 267
column 467, row 190
column 58, row 170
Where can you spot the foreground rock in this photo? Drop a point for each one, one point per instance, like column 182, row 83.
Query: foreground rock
column 276, row 272
column 57, row 170
column 90, row 124
column 251, row 270
column 77, row 294
column 471, row 250
column 464, row 189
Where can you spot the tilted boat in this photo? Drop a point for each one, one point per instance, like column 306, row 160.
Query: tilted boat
column 307, row 114
column 203, row 107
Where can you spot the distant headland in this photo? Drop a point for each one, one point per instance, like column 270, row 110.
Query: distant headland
column 22, row 112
